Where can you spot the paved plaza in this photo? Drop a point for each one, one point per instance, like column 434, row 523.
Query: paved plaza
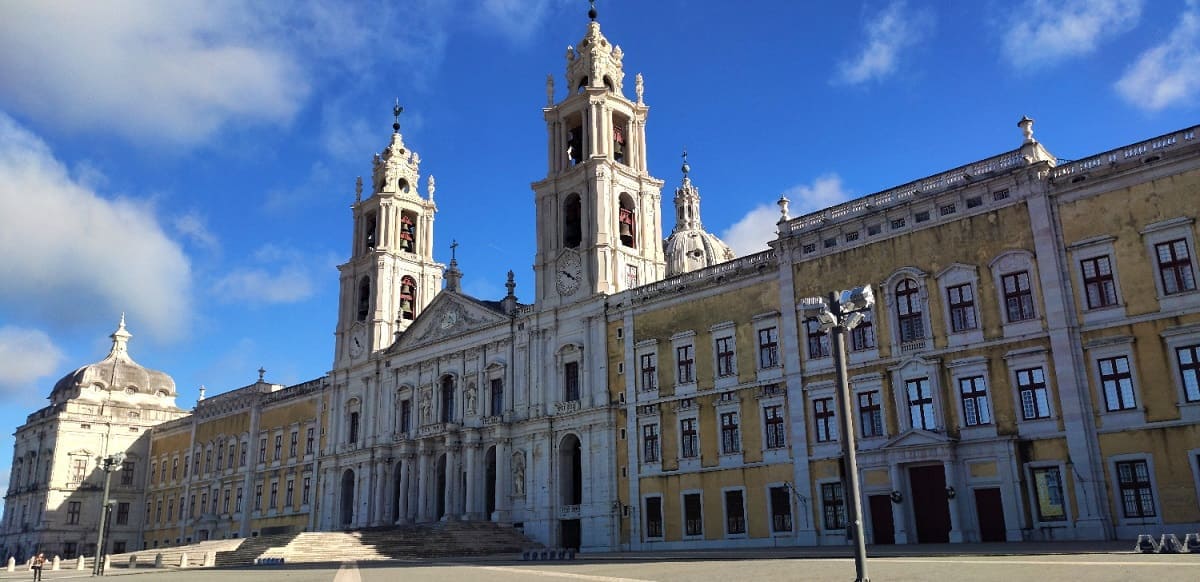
column 977, row 562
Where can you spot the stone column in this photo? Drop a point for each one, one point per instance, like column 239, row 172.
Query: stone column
column 956, row 534
column 378, row 513
column 453, row 481
column 503, row 480
column 898, row 512
column 423, row 478
column 406, row 462
column 472, row 509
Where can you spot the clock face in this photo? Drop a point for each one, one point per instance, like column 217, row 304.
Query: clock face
column 358, row 341
column 569, row 275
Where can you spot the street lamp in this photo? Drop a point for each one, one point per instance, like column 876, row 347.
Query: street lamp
column 109, row 465
column 841, row 312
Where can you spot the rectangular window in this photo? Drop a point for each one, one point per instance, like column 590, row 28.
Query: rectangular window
column 182, row 506
column 294, row 444
column 274, row 495
column 1189, row 371
column 922, row 216
column 158, row 511
column 773, row 420
column 405, row 420
column 731, row 440
column 1137, row 495
column 127, row 468
column 208, row 461
column 497, row 391
column 654, row 517
column 650, row 443
column 631, row 276
column 279, row 446
column 571, row 381
column 817, row 339
column 258, row 497
column 447, row 410
column 862, row 337
column 920, row 404
column 974, row 401
column 262, row 450
column 947, row 210
column 204, row 502
column 725, row 356
column 693, row 519
column 69, row 550
column 310, row 433
column 242, row 454
column 908, row 311
column 153, row 470
column 1098, row 283
column 237, row 500
column 123, row 513
column 962, row 307
column 288, row 493
column 852, row 236
column 1048, row 483
column 768, row 348
column 649, row 366
column 306, row 487
column 1175, row 266
column 79, row 470
column 735, row 513
column 1000, row 194
column 73, row 512
column 874, row 229
column 220, row 459
column 689, row 444
column 685, row 361
column 174, row 468
column 810, row 248
column 187, row 461
column 192, row 505
column 830, row 242
column 216, row 499
column 897, row 223
column 974, row 202
column 781, row 510
column 870, row 414
column 1117, row 383
column 1035, row 401
column 823, row 419
column 227, row 497
column 170, row 509
column 1018, row 296
column 833, row 505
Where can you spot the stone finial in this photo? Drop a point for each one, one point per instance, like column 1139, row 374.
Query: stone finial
column 431, row 186
column 261, row 372
column 1026, row 125
column 783, row 209
column 358, row 189
column 592, row 10
column 453, row 275
column 639, row 88
column 549, row 90
column 201, row 396
column 510, row 284
column 685, row 167
column 396, row 111
column 120, row 339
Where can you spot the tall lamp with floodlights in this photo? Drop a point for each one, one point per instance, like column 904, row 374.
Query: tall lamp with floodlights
column 109, row 465
column 841, row 312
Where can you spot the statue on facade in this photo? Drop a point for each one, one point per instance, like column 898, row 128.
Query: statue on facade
column 470, row 394
column 549, row 90
column 639, row 87
column 518, row 469
column 426, row 408
column 432, row 186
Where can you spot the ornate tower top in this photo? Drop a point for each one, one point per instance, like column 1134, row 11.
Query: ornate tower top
column 594, row 62
column 396, row 168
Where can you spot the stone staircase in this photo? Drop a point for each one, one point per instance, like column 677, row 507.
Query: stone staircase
column 458, row 538
column 252, row 548
column 173, row 555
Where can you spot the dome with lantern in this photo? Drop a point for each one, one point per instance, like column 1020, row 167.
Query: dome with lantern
column 690, row 247
column 116, row 377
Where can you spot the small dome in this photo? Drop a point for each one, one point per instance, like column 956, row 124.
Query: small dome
column 690, row 247
column 115, row 373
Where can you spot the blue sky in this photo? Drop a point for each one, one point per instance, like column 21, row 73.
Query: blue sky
column 192, row 163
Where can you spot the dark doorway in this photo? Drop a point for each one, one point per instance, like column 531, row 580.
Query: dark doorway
column 571, row 533
column 347, row 498
column 489, row 479
column 883, row 529
column 571, row 470
column 399, row 491
column 929, row 503
column 990, row 511
column 441, row 487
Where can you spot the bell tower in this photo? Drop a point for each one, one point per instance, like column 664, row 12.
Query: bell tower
column 598, row 223
column 391, row 275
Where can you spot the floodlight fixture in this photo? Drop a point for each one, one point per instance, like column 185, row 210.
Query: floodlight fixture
column 826, row 320
column 857, row 299
column 813, row 307
column 851, row 321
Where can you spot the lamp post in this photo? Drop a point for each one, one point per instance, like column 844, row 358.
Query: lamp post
column 109, row 465
column 836, row 315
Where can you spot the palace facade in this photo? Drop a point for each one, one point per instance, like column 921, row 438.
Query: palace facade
column 1030, row 371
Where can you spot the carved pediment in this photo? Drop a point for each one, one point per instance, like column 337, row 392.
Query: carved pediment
column 449, row 315
column 918, row 438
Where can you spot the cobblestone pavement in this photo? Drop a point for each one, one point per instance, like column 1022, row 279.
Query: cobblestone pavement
column 978, row 562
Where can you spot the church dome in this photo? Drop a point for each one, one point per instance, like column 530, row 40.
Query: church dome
column 117, row 373
column 690, row 247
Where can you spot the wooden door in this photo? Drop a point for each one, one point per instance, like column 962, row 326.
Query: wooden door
column 883, row 529
column 990, row 511
column 930, row 506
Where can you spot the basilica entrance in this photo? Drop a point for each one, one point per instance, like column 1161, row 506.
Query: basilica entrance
column 399, row 489
column 347, row 498
column 929, row 503
column 441, row 487
column 489, row 480
column 883, row 528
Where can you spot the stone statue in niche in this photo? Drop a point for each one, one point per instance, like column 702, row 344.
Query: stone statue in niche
column 470, row 395
column 426, row 408
column 518, row 469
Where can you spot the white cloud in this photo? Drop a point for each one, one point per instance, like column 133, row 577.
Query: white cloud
column 888, row 33
column 280, row 276
column 27, row 355
column 1167, row 74
column 74, row 257
column 1051, row 31
column 752, row 232
column 515, row 19
column 193, row 227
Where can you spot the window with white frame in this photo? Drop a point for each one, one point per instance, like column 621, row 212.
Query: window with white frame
column 1018, row 296
column 648, row 364
column 870, row 414
column 654, row 517
column 693, row 515
column 685, row 364
column 824, row 420
column 689, row 439
column 909, row 318
column 1015, row 276
column 726, row 359
column 973, row 391
column 1097, row 279
column 781, row 509
column 650, row 448
column 1034, row 397
column 1136, row 489
column 1172, row 246
column 816, row 339
column 731, row 438
column 862, row 337
column 961, row 301
column 775, row 426
column 735, row 512
column 1116, row 383
column 1099, row 284
column 959, row 290
column 768, row 347
column 921, row 412
column 1187, row 358
column 833, row 505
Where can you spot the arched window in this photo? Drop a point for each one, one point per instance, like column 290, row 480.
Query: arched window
column 369, row 227
column 408, row 232
column 572, row 222
column 403, row 185
column 908, row 311
column 627, row 221
column 447, row 398
column 408, row 298
column 364, row 298
column 583, row 83
column 619, row 148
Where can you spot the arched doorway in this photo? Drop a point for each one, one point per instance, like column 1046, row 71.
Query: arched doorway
column 570, row 478
column 347, row 498
column 441, row 487
column 396, row 515
column 489, row 479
